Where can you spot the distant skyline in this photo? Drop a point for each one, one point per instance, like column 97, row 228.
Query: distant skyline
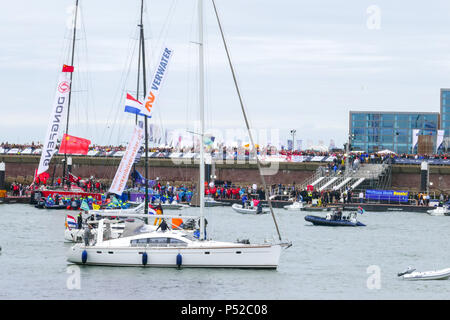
column 300, row 65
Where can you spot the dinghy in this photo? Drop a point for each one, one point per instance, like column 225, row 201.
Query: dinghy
column 295, row 206
column 173, row 206
column 211, row 202
column 439, row 211
column 250, row 210
column 442, row 274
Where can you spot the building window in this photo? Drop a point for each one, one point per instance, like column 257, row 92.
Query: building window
column 358, row 117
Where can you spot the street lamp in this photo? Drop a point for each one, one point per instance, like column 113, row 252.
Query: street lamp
column 347, row 151
column 293, row 132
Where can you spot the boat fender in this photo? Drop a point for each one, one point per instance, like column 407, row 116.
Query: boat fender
column 179, row 260
column 84, row 255
column 144, row 258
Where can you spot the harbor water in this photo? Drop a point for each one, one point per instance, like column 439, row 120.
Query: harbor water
column 323, row 262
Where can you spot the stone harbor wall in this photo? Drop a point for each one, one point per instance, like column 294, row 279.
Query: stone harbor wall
column 21, row 169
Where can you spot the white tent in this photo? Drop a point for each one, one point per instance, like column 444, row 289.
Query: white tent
column 320, row 148
column 386, row 151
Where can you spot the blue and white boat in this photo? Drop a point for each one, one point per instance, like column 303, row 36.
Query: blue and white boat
column 336, row 219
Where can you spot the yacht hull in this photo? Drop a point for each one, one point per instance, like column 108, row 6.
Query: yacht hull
column 246, row 256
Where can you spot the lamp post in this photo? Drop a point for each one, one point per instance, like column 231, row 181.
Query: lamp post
column 347, row 151
column 293, row 132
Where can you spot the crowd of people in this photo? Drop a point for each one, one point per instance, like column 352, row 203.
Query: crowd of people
column 245, row 150
column 87, row 185
column 18, row 189
column 167, row 192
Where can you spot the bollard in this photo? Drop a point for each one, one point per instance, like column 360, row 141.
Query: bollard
column 2, row 180
column 424, row 176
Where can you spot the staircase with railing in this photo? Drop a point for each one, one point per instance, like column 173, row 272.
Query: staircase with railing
column 360, row 177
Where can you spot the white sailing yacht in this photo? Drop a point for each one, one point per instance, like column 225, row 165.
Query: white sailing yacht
column 177, row 248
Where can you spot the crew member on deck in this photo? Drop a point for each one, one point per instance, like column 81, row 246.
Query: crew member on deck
column 163, row 225
column 79, row 220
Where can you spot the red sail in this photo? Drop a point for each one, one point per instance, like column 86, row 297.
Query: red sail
column 74, row 145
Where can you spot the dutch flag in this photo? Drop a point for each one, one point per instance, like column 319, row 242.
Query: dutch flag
column 132, row 105
column 71, row 221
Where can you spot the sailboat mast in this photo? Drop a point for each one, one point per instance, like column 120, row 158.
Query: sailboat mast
column 202, row 118
column 144, row 79
column 71, row 84
column 138, row 80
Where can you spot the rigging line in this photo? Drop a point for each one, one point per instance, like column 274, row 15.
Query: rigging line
column 207, row 81
column 246, row 119
column 163, row 38
column 121, row 88
column 122, row 79
column 165, row 28
column 87, row 78
column 189, row 66
column 126, row 70
column 90, row 97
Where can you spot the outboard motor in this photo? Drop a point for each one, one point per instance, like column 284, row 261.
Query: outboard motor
column 259, row 208
column 407, row 271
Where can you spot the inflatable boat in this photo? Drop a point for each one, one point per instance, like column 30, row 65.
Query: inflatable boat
column 294, row 206
column 250, row 210
column 319, row 221
column 439, row 211
column 411, row 274
column 336, row 219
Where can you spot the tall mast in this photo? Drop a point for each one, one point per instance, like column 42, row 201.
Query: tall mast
column 144, row 79
column 71, row 84
column 138, row 79
column 202, row 118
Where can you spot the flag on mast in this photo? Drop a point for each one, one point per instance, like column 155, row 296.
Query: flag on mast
column 133, row 105
column 67, row 68
column 74, row 145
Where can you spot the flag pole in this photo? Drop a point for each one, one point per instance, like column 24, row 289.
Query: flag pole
column 144, row 79
column 70, row 92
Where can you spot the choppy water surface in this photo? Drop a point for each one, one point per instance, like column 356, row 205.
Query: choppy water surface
column 323, row 263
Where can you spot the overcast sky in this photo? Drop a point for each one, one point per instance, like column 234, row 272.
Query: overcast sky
column 300, row 64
